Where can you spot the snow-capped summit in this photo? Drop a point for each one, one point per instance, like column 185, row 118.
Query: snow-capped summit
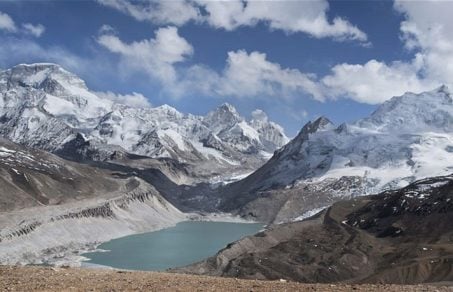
column 271, row 133
column 259, row 135
column 222, row 118
column 54, row 90
column 407, row 138
column 38, row 75
column 322, row 124
column 45, row 106
column 432, row 110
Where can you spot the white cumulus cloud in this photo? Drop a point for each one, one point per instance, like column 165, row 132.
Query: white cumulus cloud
column 251, row 74
column 155, row 56
column 159, row 12
column 35, row 30
column 7, row 23
column 374, row 82
column 427, row 31
column 245, row 75
column 134, row 99
column 290, row 16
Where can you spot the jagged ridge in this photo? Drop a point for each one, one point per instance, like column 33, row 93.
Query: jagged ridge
column 407, row 138
column 45, row 106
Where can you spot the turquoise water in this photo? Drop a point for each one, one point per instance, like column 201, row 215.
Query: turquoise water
column 183, row 244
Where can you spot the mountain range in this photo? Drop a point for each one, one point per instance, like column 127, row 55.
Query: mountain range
column 47, row 107
column 78, row 164
column 407, row 138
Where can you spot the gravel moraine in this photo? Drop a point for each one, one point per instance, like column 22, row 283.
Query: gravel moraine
column 70, row 279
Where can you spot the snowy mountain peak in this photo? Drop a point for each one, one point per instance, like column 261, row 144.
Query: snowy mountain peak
column 407, row 138
column 47, row 89
column 427, row 111
column 47, row 76
column 45, row 106
column 226, row 107
column 293, row 148
column 169, row 111
column 222, row 118
column 443, row 88
column 36, row 67
column 322, row 123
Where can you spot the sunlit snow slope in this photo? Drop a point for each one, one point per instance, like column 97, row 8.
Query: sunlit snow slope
column 45, row 106
column 407, row 138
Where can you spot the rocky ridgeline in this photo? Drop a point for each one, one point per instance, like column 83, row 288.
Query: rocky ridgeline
column 402, row 236
column 104, row 211
column 23, row 230
column 421, row 199
column 407, row 138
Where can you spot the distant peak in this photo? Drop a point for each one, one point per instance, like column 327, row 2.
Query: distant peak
column 425, row 111
column 227, row 107
column 223, row 116
column 443, row 88
column 343, row 128
column 50, row 68
column 50, row 77
column 38, row 65
column 321, row 123
column 224, row 111
column 168, row 109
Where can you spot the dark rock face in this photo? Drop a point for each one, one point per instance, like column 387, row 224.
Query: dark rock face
column 402, row 236
column 394, row 213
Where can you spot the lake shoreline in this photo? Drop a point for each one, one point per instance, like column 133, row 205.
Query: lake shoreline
column 77, row 259
column 185, row 243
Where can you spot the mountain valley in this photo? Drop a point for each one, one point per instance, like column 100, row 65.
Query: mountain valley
column 400, row 237
column 78, row 169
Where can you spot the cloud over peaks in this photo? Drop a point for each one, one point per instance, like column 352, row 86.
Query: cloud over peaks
column 7, row 24
column 155, row 56
column 35, row 30
column 308, row 17
column 134, row 99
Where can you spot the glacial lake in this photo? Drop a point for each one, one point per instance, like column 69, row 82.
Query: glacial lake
column 184, row 244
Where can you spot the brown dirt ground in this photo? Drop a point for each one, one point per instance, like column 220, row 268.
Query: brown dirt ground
column 71, row 279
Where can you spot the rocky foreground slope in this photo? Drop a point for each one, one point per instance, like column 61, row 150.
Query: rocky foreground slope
column 51, row 208
column 51, row 279
column 407, row 138
column 400, row 236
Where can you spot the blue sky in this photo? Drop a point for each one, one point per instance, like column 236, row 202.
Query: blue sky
column 295, row 60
